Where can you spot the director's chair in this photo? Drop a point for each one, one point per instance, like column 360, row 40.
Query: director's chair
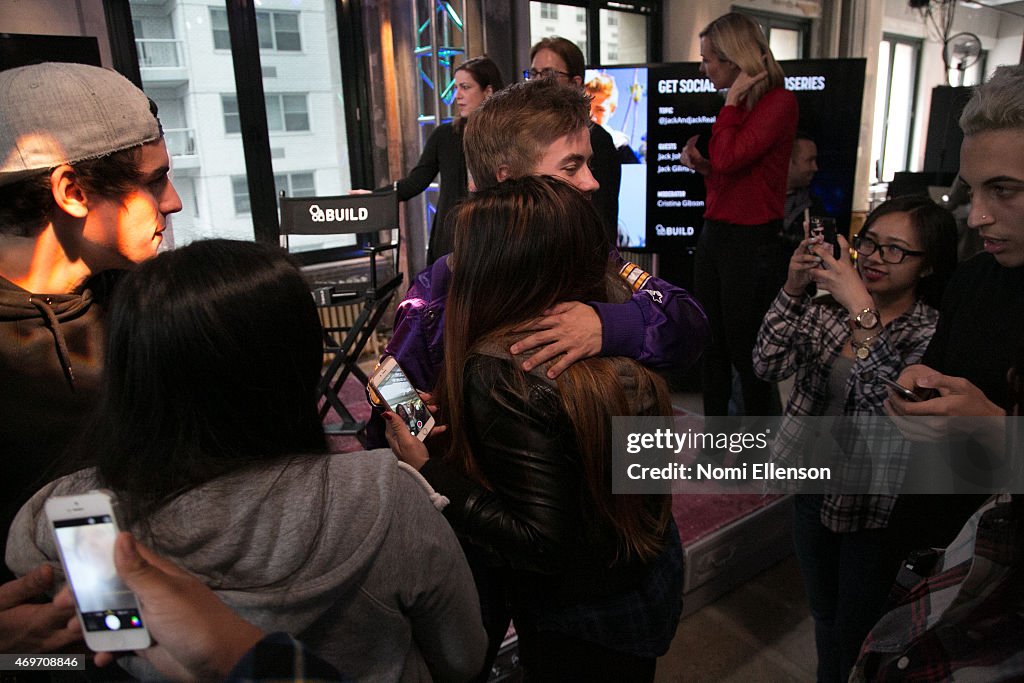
column 364, row 273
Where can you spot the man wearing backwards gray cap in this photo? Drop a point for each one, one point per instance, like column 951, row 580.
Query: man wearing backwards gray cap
column 84, row 189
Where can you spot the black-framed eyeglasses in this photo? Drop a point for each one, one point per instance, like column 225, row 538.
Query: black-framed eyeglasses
column 865, row 246
column 533, row 74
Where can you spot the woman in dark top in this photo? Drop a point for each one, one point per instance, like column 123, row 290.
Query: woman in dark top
column 592, row 580
column 475, row 80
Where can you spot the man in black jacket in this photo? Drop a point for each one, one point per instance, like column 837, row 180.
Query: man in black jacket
column 559, row 58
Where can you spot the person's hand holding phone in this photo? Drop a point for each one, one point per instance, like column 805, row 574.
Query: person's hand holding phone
column 801, row 265
column 389, row 388
column 899, row 391
column 197, row 636
column 407, row 447
column 941, row 395
column 840, row 277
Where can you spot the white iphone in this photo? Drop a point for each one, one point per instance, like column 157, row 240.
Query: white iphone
column 391, row 386
column 85, row 528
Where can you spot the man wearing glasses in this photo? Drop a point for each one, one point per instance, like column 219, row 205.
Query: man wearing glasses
column 560, row 59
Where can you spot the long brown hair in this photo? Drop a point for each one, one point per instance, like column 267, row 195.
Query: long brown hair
column 521, row 247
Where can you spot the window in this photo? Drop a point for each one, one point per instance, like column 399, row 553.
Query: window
column 219, row 24
column 295, row 184
column 548, row 10
column 276, row 30
column 788, row 36
column 301, row 184
column 285, row 113
column 895, row 99
column 240, row 190
column 606, row 36
column 625, row 41
column 232, row 123
column 785, row 43
column 203, row 110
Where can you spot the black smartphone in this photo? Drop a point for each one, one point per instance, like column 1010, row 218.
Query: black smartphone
column 901, row 391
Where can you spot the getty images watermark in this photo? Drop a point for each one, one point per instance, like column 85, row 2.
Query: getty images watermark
column 852, row 455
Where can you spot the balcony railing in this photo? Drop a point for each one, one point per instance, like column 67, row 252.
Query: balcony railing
column 181, row 142
column 160, row 52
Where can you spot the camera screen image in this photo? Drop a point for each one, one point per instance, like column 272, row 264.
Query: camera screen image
column 401, row 397
column 87, row 545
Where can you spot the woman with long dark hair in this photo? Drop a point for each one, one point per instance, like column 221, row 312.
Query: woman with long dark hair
column 476, row 79
column 208, row 433
column 880, row 318
column 528, row 471
column 740, row 260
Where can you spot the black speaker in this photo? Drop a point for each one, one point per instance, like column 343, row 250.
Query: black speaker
column 942, row 147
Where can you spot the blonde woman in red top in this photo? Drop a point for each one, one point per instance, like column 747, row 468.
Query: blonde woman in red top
column 741, row 261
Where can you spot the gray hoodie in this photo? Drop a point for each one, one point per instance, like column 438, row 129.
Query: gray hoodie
column 346, row 552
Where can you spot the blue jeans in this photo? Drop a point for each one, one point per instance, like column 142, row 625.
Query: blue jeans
column 847, row 577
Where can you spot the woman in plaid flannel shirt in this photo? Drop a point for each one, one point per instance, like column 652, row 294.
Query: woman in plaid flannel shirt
column 878, row 320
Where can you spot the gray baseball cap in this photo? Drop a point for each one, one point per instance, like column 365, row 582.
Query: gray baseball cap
column 57, row 113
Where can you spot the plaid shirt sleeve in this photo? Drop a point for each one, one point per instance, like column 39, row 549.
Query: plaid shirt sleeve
column 782, row 343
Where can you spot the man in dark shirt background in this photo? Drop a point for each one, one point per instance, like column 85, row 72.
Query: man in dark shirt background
column 560, row 58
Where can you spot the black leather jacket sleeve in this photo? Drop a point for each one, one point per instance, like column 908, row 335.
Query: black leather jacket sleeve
column 524, row 444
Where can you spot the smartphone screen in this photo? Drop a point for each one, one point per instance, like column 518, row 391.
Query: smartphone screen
column 825, row 228
column 398, row 392
column 87, row 546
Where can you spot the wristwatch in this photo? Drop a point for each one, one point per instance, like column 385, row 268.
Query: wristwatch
column 866, row 319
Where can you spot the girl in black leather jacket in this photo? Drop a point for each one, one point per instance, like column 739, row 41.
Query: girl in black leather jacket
column 593, row 581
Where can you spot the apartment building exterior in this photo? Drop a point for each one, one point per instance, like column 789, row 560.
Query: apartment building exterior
column 185, row 60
